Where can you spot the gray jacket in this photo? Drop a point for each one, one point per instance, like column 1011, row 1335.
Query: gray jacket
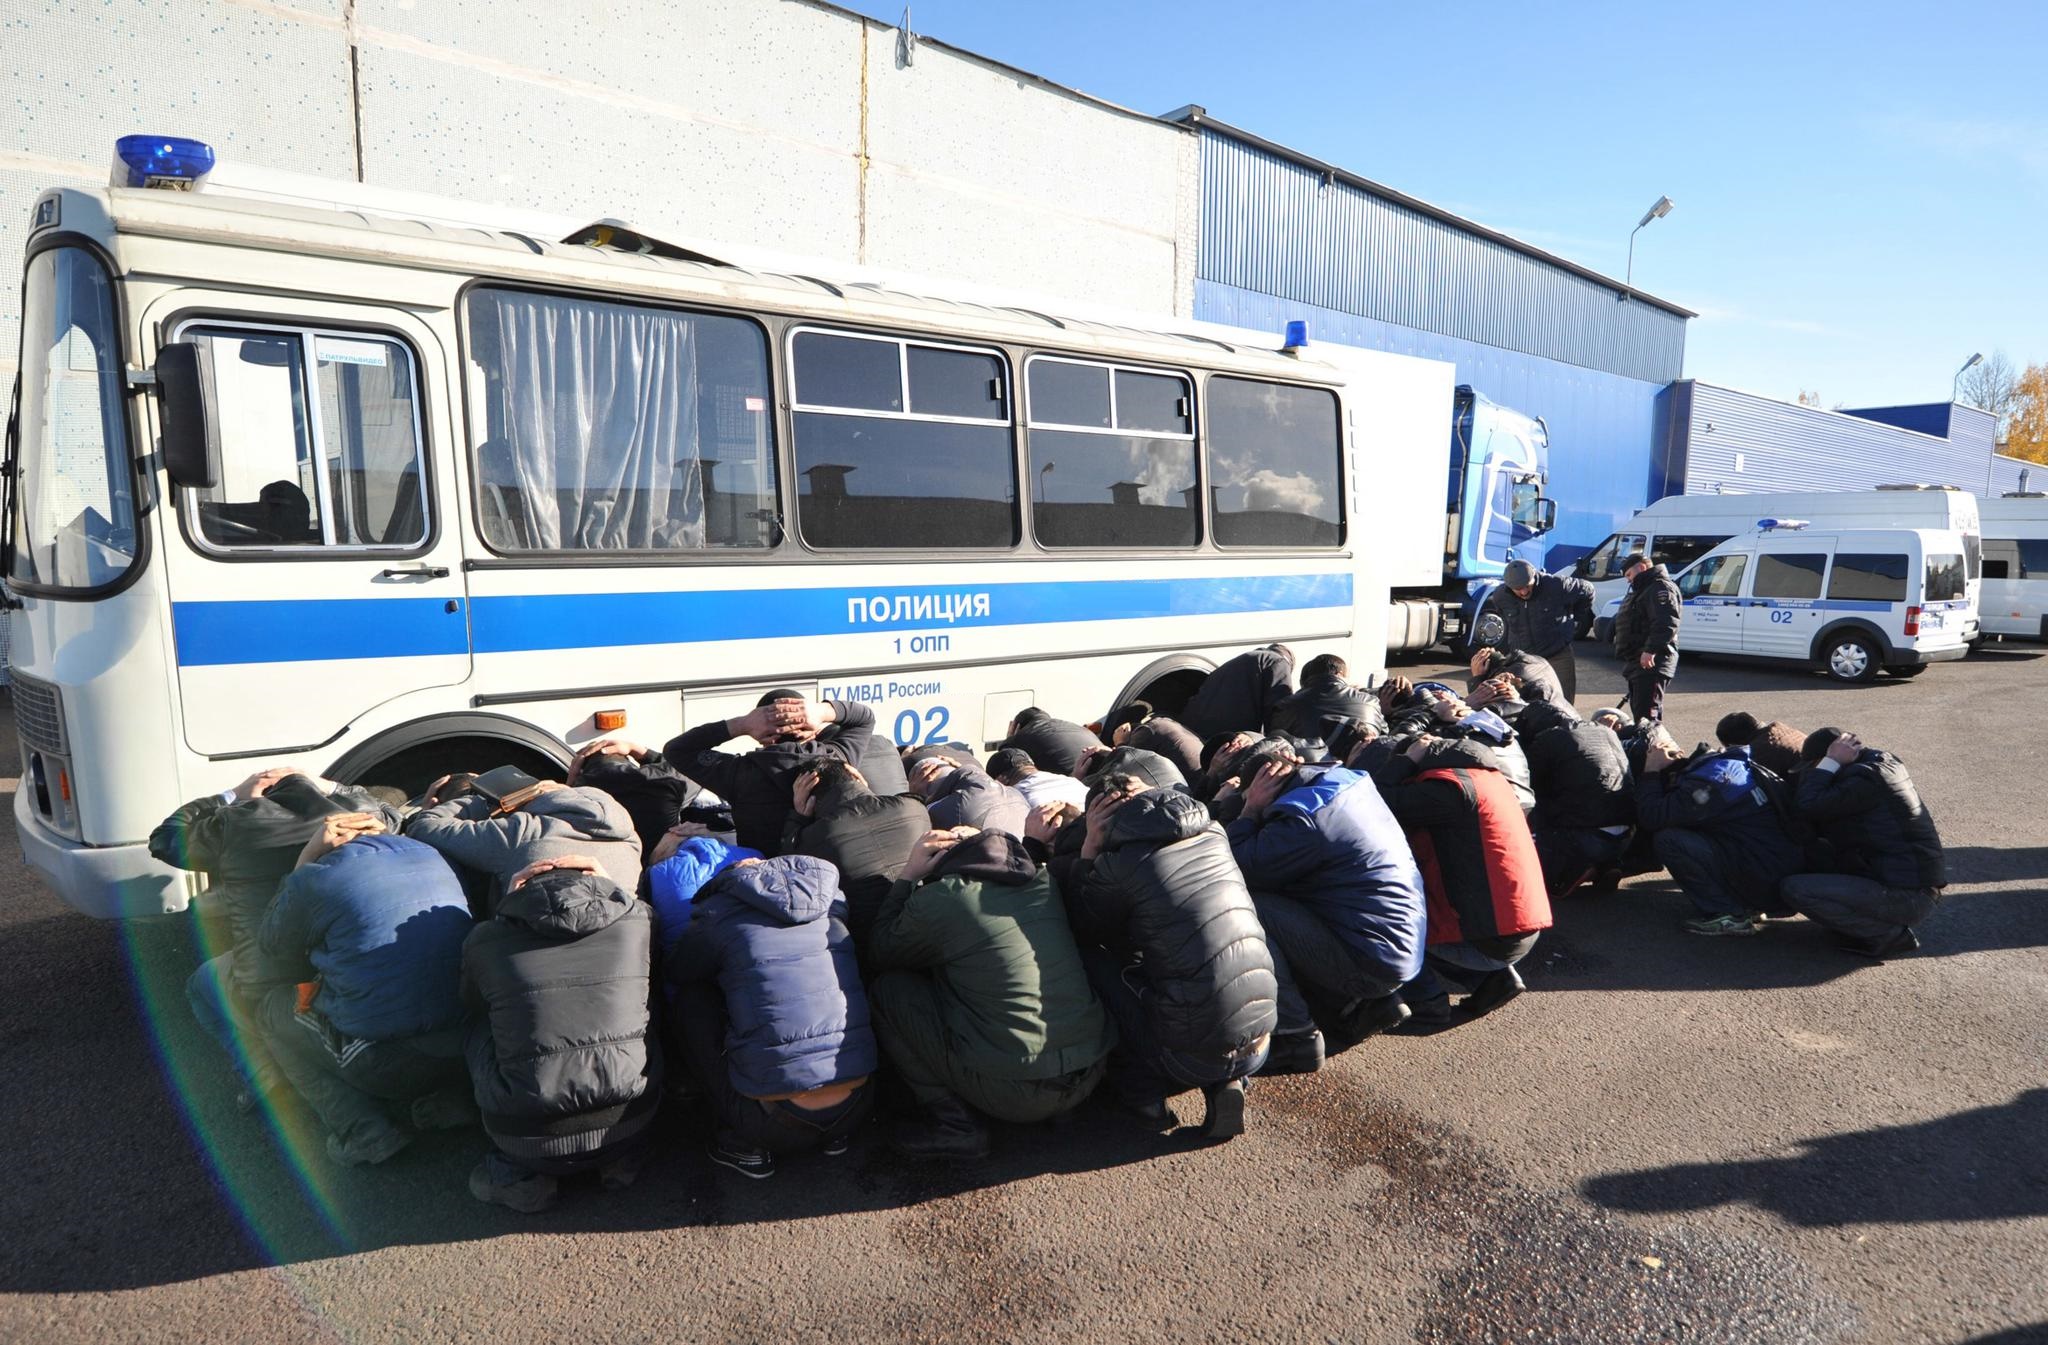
column 1548, row 619
column 560, row 822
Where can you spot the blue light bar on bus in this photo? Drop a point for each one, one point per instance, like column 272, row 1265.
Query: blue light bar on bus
column 1297, row 335
column 1772, row 524
column 166, row 161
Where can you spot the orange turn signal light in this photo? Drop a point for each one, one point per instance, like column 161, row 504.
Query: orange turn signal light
column 608, row 721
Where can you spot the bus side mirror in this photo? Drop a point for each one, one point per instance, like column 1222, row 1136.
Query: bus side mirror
column 191, row 441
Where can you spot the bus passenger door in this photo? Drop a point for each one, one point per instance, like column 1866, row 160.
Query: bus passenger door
column 319, row 574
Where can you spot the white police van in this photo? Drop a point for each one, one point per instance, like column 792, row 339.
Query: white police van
column 1849, row 602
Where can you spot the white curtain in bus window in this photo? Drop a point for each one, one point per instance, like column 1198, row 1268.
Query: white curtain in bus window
column 900, row 444
column 619, row 427
column 1275, row 474
column 339, row 468
column 1112, row 456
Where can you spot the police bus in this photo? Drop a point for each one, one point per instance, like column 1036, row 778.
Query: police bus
column 381, row 497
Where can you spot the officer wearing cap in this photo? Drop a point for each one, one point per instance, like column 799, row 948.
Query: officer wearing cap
column 1541, row 614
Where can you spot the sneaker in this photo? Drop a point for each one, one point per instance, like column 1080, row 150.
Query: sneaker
column 1493, row 990
column 514, row 1188
column 1718, row 925
column 837, row 1146
column 1226, row 1111
column 756, row 1163
column 1294, row 1053
column 945, row 1130
column 367, row 1150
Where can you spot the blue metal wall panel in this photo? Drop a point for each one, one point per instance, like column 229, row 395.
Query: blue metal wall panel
column 1739, row 443
column 1278, row 227
column 1931, row 418
column 1602, row 426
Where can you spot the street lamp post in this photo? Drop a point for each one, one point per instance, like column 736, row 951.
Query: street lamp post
column 1955, row 391
column 1657, row 211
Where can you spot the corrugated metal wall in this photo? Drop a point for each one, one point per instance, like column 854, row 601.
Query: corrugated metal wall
column 1274, row 226
column 1602, row 426
column 2005, row 475
column 1739, row 443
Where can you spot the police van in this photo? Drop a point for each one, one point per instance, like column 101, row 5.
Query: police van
column 2014, row 603
column 1848, row 602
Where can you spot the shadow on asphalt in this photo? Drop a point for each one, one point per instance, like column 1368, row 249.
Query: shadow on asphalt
column 145, row 1175
column 1987, row 1163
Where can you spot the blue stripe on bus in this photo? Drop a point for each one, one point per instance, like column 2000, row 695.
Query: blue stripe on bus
column 303, row 630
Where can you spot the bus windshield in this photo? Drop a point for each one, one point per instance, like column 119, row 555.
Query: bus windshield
column 74, row 495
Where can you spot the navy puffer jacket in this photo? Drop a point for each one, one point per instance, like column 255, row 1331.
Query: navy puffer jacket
column 772, row 935
column 1166, row 898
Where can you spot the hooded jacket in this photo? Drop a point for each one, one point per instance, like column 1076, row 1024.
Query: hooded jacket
column 866, row 836
column 557, row 986
column 773, row 937
column 1579, row 771
column 245, row 850
column 988, row 927
column 1166, row 899
column 673, row 884
column 380, row 921
column 758, row 784
column 1871, row 816
column 1730, row 800
column 1549, row 619
column 968, row 796
column 1240, row 694
column 577, row 821
column 1478, row 861
column 1539, row 679
column 1321, row 710
column 1648, row 622
column 1330, row 844
column 652, row 792
column 1055, row 745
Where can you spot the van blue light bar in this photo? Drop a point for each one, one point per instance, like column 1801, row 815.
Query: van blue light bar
column 1297, row 335
column 166, row 161
column 1787, row 524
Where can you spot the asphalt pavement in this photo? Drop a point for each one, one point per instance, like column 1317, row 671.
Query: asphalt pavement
column 1670, row 1138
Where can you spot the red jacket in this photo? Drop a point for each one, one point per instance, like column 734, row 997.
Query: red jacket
column 1479, row 865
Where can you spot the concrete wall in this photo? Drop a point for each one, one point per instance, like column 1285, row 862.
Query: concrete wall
column 781, row 124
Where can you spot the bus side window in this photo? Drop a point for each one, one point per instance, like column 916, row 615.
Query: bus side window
column 319, row 438
column 1275, row 469
column 1112, row 455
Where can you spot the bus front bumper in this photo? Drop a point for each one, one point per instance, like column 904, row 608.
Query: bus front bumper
column 110, row 882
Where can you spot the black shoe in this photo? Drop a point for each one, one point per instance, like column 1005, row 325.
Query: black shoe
column 748, row 1162
column 1154, row 1115
column 837, row 1146
column 1226, row 1111
column 1364, row 1018
column 1877, row 950
column 1293, row 1053
column 946, row 1130
column 1494, row 989
column 1430, row 1012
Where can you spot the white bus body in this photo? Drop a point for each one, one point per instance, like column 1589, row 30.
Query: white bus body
column 1679, row 529
column 2015, row 598
column 354, row 594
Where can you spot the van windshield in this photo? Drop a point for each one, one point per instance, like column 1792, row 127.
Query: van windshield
column 74, row 495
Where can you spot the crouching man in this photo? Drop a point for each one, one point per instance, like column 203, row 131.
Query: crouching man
column 1338, row 894
column 1880, row 841
column 375, row 923
column 561, row 1057
column 1173, row 946
column 981, row 1000
column 768, row 1009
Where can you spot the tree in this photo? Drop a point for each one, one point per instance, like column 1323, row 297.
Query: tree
column 1989, row 384
column 1809, row 397
column 2026, row 435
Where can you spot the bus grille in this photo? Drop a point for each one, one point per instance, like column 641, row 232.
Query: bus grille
column 39, row 715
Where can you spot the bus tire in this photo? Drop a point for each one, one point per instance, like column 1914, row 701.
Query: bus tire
column 1853, row 655
column 411, row 756
column 1166, row 684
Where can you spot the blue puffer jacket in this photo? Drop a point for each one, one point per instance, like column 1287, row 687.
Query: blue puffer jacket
column 1330, row 843
column 674, row 883
column 381, row 921
column 773, row 936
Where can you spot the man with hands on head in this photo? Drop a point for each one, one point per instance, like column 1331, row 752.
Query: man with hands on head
column 372, row 926
column 1714, row 824
column 793, row 733
column 497, row 836
column 867, row 836
column 1885, row 856
column 959, row 794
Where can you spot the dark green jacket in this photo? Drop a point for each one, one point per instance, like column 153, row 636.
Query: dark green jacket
column 992, row 933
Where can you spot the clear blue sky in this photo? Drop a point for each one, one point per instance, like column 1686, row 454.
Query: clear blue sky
column 1862, row 189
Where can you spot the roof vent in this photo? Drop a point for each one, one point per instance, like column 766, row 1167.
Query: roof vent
column 619, row 236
